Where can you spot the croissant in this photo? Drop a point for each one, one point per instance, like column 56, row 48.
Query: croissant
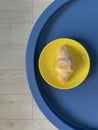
column 64, row 64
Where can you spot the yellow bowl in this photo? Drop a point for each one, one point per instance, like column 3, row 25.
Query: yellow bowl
column 47, row 61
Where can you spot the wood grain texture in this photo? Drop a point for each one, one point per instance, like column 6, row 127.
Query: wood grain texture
column 12, row 58
column 26, row 125
column 13, row 82
column 15, row 11
column 15, row 34
column 15, row 107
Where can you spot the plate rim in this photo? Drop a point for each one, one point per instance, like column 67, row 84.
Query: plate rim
column 64, row 40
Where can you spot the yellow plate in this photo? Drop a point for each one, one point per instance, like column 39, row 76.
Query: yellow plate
column 47, row 61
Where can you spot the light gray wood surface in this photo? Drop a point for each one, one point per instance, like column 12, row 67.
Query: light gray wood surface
column 18, row 110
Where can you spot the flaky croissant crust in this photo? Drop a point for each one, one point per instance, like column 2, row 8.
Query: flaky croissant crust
column 64, row 64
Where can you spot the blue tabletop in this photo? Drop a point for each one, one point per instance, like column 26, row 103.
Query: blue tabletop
column 75, row 108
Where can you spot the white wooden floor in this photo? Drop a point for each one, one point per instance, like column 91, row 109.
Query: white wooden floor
column 18, row 110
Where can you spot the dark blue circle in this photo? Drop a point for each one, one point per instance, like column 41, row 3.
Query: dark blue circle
column 75, row 108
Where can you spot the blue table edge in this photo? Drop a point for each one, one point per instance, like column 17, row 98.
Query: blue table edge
column 30, row 52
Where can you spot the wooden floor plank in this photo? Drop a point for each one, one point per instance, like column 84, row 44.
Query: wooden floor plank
column 15, row 107
column 15, row 11
column 15, row 34
column 26, row 125
column 12, row 58
column 13, row 82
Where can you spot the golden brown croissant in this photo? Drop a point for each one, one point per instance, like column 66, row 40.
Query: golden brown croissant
column 64, row 64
